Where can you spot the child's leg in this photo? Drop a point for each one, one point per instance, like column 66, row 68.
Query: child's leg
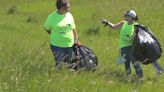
column 125, row 51
column 136, row 65
column 157, row 67
column 138, row 70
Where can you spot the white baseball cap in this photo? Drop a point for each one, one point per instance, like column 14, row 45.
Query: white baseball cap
column 131, row 13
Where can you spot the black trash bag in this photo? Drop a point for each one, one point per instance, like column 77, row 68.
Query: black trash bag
column 84, row 58
column 146, row 47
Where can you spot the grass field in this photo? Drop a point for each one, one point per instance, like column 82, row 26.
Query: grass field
column 26, row 62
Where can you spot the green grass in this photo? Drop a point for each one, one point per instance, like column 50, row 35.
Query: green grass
column 26, row 62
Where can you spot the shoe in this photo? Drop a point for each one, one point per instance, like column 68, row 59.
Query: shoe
column 160, row 72
column 141, row 79
column 72, row 70
column 129, row 78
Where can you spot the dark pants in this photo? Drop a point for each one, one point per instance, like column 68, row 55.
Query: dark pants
column 62, row 54
column 127, row 52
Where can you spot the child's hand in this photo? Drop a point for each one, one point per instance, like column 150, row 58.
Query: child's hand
column 78, row 43
column 104, row 21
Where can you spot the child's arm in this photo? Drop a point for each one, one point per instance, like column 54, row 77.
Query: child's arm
column 111, row 25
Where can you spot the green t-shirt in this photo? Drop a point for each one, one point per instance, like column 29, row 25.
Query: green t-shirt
column 61, row 27
column 126, row 35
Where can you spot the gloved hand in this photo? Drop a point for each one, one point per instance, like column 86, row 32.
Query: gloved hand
column 104, row 21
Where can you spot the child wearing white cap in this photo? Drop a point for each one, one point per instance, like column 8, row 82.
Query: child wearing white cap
column 127, row 27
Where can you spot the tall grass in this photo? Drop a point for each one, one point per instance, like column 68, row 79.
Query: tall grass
column 26, row 62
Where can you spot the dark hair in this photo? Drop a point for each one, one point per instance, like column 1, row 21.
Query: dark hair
column 61, row 3
column 136, row 18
